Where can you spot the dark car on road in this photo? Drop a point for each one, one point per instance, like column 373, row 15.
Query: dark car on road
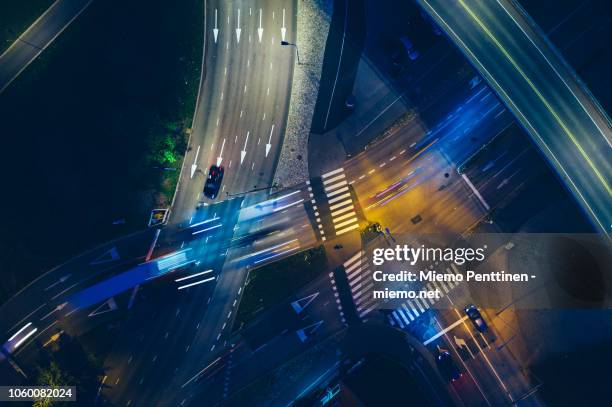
column 476, row 317
column 213, row 181
column 447, row 365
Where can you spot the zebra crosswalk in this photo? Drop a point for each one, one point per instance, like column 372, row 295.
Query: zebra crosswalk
column 410, row 310
column 361, row 284
column 332, row 204
column 360, row 281
column 337, row 298
column 341, row 207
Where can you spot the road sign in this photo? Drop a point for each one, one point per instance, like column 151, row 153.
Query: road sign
column 158, row 217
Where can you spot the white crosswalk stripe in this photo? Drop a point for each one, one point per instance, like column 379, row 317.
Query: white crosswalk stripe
column 360, row 283
column 333, row 283
column 399, row 311
column 359, row 277
column 338, row 191
column 398, row 316
column 316, row 213
column 397, row 319
column 408, row 311
column 329, row 174
column 344, row 217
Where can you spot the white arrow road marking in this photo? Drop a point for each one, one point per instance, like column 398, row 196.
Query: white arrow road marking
column 108, row 306
column 260, row 29
column 108, row 256
column 243, row 152
column 283, row 29
column 238, row 30
column 220, row 158
column 269, row 144
column 194, row 166
column 216, row 29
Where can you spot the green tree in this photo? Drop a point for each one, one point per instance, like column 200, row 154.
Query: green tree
column 51, row 375
column 70, row 365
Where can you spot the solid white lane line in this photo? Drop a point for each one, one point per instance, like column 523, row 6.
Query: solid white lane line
column 193, row 275
column 445, row 330
column 475, row 191
column 22, row 340
column 331, row 99
column 196, row 283
column 20, row 331
column 63, row 291
column 204, row 221
column 207, row 229
column 288, row 205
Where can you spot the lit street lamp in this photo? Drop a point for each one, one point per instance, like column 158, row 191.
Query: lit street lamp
column 285, row 43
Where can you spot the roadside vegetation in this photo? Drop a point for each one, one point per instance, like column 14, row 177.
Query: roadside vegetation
column 67, row 363
column 94, row 132
column 16, row 16
column 271, row 284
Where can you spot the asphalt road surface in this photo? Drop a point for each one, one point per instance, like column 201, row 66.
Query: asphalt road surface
column 545, row 96
column 239, row 123
column 388, row 163
column 38, row 37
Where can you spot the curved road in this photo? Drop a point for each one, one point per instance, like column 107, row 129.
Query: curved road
column 543, row 93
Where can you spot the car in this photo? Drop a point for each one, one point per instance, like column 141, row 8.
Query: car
column 403, row 52
column 447, row 365
column 476, row 317
column 213, row 181
column 410, row 49
column 475, row 81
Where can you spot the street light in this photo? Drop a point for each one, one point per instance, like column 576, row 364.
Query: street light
column 252, row 190
column 285, row 43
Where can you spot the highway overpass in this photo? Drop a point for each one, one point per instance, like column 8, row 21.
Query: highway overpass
column 541, row 90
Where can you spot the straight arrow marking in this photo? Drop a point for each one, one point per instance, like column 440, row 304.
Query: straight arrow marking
column 260, row 29
column 216, row 29
column 243, row 152
column 194, row 166
column 269, row 144
column 283, row 29
column 220, row 158
column 238, row 30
